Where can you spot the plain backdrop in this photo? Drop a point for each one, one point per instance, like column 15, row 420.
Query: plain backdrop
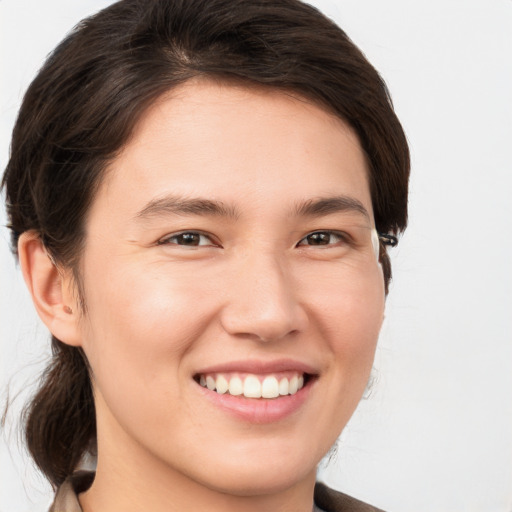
column 435, row 434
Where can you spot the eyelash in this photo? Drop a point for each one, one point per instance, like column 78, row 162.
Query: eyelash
column 342, row 237
column 167, row 239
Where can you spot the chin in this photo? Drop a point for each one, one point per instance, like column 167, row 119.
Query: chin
column 261, row 481
column 264, row 472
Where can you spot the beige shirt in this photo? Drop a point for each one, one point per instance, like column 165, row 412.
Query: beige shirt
column 326, row 500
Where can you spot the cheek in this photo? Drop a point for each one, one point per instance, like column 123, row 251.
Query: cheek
column 150, row 308
column 135, row 335
column 137, row 327
column 350, row 311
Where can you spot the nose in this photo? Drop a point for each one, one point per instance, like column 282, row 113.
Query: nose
column 262, row 301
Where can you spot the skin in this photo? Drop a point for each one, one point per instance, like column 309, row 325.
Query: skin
column 159, row 312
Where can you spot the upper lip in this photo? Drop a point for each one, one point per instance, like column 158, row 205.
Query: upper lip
column 259, row 367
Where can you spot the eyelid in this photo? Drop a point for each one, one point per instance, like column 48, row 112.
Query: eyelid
column 165, row 240
column 341, row 234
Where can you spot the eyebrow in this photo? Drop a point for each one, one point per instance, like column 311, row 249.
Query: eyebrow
column 175, row 205
column 329, row 205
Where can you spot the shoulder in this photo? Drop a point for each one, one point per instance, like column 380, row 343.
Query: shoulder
column 333, row 501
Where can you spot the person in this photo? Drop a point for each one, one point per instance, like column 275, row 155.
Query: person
column 201, row 194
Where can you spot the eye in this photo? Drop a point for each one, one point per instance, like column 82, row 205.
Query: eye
column 323, row 238
column 188, row 239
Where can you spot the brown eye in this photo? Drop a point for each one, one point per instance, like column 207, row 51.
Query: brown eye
column 321, row 238
column 187, row 239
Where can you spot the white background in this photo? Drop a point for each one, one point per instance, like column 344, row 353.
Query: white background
column 436, row 433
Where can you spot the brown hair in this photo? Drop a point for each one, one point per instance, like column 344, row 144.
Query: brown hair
column 84, row 103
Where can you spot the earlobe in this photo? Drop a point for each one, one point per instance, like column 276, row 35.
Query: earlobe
column 50, row 288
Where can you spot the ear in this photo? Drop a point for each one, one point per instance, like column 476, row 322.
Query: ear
column 51, row 289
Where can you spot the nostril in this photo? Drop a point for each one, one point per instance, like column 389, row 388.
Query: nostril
column 265, row 327
column 263, row 304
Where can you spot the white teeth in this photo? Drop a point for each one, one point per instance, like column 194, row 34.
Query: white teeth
column 270, row 388
column 294, row 383
column 284, row 386
column 236, row 386
column 252, row 386
column 221, row 384
column 210, row 383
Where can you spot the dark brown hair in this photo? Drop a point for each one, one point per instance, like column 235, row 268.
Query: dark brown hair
column 84, row 103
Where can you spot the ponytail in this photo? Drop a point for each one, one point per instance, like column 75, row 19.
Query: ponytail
column 60, row 421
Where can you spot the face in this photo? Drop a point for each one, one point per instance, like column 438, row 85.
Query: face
column 233, row 294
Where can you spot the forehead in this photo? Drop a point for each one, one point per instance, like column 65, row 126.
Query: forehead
column 252, row 146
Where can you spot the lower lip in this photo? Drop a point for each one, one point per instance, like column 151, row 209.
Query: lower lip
column 259, row 410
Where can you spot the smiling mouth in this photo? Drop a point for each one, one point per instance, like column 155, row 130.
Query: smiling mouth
column 253, row 385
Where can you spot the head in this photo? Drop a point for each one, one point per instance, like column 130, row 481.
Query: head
column 119, row 90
